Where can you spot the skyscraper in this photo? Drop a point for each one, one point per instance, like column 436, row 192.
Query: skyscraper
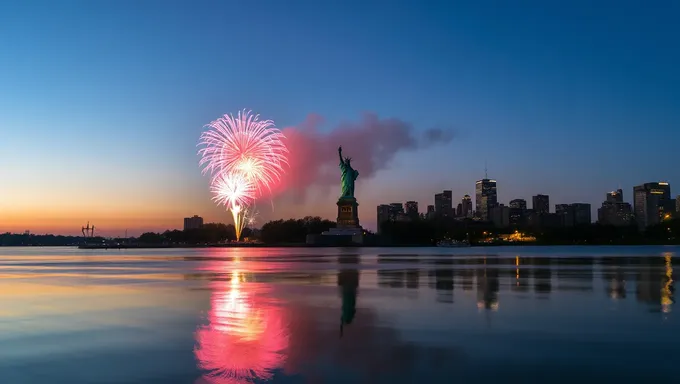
column 383, row 215
column 651, row 201
column 466, row 206
column 518, row 212
column 412, row 209
column 396, row 211
column 541, row 204
column 430, row 211
column 443, row 204
column 486, row 196
column 615, row 196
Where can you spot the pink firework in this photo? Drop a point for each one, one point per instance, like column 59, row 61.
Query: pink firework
column 245, row 145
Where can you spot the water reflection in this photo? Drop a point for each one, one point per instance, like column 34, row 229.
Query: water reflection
column 245, row 339
column 348, row 281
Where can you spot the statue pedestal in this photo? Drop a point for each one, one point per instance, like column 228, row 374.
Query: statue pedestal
column 348, row 230
column 348, row 213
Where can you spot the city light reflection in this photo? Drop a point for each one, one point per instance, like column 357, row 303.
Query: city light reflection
column 245, row 339
column 667, row 290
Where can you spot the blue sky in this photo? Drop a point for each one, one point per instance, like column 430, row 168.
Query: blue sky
column 102, row 102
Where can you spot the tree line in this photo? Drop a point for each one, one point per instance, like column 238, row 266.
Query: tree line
column 273, row 232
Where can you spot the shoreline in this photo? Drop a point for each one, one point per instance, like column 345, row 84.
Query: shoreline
column 304, row 245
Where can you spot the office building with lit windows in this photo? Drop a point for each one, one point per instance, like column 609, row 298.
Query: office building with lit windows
column 615, row 211
column 486, row 197
column 651, row 203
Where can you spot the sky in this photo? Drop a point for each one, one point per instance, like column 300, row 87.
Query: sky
column 102, row 102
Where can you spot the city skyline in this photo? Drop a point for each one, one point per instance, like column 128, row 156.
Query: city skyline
column 105, row 103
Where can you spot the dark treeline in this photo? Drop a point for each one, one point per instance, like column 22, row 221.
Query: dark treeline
column 208, row 234
column 292, row 230
column 24, row 240
column 429, row 231
column 273, row 232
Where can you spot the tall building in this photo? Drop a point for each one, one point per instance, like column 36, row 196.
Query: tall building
column 677, row 204
column 396, row 211
column 412, row 209
column 194, row 222
column 518, row 204
column 466, row 206
column 573, row 214
column 443, row 204
column 430, row 211
column 486, row 196
column 614, row 211
column 541, row 204
column 651, row 201
column 615, row 196
column 383, row 215
column 518, row 212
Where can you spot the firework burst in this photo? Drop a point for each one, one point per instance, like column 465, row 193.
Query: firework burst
column 245, row 157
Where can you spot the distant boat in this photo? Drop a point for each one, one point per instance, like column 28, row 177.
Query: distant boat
column 447, row 243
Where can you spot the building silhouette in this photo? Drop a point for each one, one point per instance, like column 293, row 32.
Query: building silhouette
column 486, row 196
column 396, row 211
column 651, row 202
column 517, row 212
column 412, row 209
column 614, row 211
column 500, row 216
column 383, row 215
column 615, row 196
column 443, row 204
column 541, row 204
column 430, row 212
column 194, row 222
column 573, row 214
column 466, row 206
column 518, row 204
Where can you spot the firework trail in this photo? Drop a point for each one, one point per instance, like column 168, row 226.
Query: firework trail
column 245, row 156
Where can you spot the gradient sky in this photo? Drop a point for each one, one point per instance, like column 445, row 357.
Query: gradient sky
column 102, row 102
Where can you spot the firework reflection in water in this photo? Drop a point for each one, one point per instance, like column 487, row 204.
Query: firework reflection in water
column 244, row 341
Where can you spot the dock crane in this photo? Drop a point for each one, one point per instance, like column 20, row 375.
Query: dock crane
column 88, row 231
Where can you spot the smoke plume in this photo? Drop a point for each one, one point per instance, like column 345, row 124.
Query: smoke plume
column 371, row 143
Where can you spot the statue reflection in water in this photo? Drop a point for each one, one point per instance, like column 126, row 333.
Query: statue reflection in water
column 348, row 281
column 245, row 339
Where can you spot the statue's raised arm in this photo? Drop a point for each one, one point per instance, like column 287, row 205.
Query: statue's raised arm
column 340, row 154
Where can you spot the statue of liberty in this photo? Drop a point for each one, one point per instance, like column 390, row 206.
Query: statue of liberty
column 348, row 175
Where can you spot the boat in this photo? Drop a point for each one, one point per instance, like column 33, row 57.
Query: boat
column 448, row 243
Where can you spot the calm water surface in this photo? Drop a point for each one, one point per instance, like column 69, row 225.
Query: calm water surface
column 418, row 315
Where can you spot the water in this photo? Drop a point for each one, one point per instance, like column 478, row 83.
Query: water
column 393, row 315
